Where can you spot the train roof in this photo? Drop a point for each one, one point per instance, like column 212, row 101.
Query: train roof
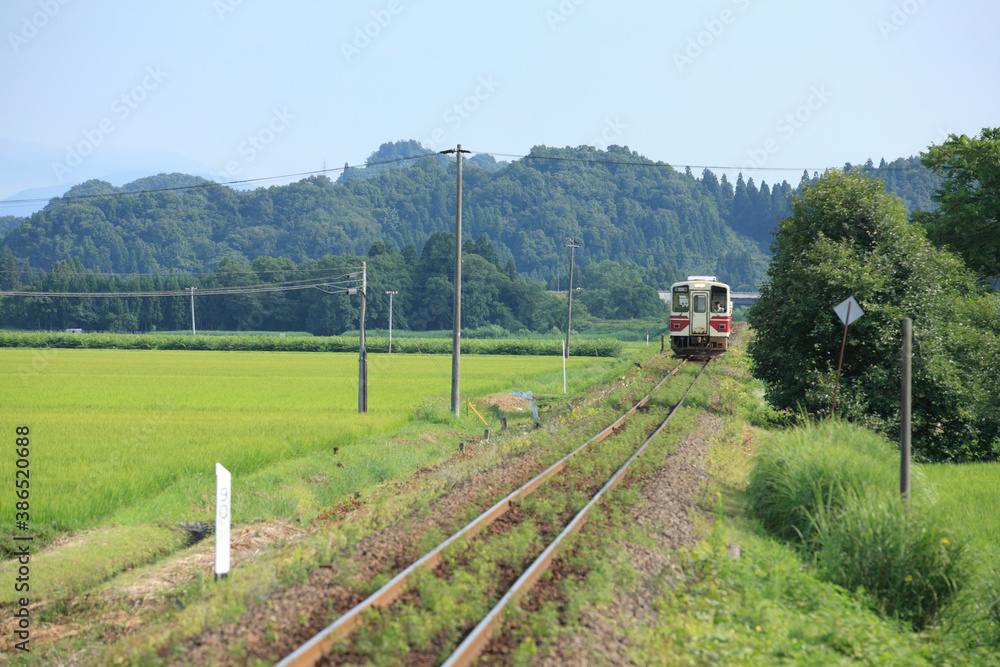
column 710, row 280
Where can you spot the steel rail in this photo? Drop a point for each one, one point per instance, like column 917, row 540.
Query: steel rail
column 474, row 643
column 315, row 648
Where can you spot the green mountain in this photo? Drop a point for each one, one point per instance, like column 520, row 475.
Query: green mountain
column 617, row 204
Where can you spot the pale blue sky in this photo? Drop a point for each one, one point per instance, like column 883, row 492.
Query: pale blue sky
column 99, row 88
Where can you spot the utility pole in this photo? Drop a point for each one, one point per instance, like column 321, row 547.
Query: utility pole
column 192, row 312
column 572, row 245
column 390, row 293
column 362, row 350
column 905, row 410
column 456, row 346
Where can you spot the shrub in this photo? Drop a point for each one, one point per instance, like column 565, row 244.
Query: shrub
column 590, row 347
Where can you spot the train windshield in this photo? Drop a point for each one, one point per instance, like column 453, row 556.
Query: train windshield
column 680, row 302
column 699, row 303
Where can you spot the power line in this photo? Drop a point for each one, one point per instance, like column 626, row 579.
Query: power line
column 343, row 281
column 186, row 276
column 211, row 184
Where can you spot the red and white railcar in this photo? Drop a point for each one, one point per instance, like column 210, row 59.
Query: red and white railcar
column 701, row 317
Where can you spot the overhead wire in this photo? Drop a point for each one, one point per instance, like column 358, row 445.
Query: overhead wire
column 211, row 184
column 344, row 281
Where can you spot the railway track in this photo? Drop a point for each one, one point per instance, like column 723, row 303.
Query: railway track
column 319, row 649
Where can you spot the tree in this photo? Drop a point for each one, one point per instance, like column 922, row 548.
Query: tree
column 967, row 219
column 848, row 237
column 615, row 290
column 8, row 270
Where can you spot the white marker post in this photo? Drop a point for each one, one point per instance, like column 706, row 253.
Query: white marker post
column 564, row 365
column 223, row 505
column 847, row 310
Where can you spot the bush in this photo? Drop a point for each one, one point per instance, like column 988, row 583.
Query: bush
column 589, row 347
column 488, row 331
column 848, row 237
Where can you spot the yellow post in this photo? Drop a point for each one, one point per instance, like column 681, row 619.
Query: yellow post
column 477, row 414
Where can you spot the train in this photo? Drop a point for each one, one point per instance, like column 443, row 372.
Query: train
column 701, row 317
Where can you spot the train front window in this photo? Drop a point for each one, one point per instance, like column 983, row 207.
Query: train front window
column 680, row 302
column 699, row 303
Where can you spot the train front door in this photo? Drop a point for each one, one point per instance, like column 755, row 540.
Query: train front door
column 699, row 313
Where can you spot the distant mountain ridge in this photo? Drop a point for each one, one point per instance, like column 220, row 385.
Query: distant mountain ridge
column 668, row 221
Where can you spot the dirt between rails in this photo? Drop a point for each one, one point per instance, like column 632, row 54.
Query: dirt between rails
column 672, row 493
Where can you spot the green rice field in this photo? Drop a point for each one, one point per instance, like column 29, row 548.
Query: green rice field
column 133, row 435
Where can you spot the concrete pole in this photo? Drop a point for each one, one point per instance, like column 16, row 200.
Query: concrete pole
column 390, row 293
column 362, row 351
column 192, row 312
column 564, row 366
column 572, row 245
column 904, row 411
column 456, row 347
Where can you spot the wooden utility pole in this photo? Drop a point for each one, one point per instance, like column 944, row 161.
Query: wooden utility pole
column 362, row 350
column 572, row 245
column 456, row 345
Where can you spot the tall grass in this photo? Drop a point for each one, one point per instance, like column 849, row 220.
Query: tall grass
column 803, row 469
column 907, row 560
column 833, row 489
